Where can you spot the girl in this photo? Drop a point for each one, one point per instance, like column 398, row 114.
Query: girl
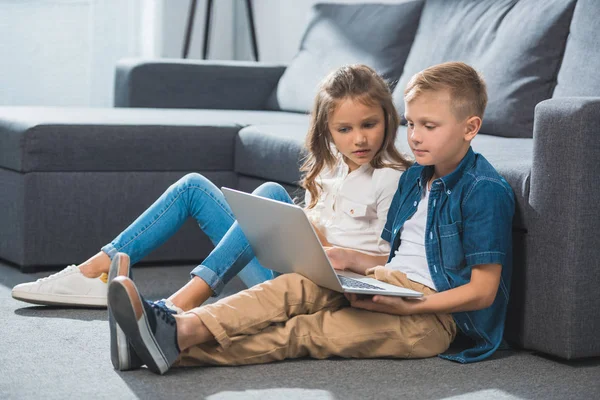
column 350, row 175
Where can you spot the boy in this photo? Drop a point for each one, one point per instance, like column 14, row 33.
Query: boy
column 450, row 230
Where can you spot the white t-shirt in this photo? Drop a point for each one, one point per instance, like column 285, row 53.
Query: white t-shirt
column 410, row 256
column 352, row 207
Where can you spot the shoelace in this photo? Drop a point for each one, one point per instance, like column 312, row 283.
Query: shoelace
column 164, row 312
column 65, row 271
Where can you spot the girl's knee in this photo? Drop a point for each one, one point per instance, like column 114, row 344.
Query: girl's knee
column 271, row 190
column 195, row 179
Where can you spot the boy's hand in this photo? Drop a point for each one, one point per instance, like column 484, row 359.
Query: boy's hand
column 384, row 304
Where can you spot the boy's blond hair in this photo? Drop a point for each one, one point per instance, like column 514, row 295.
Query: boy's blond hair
column 468, row 94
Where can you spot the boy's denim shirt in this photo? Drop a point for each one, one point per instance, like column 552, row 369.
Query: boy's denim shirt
column 469, row 222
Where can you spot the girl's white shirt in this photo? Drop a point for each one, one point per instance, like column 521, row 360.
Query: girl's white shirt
column 352, row 207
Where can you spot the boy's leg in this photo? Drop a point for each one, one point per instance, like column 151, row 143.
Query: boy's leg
column 157, row 335
column 347, row 332
column 344, row 332
column 271, row 302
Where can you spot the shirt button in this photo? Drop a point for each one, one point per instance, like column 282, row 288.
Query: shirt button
column 431, row 235
column 449, row 191
column 415, row 204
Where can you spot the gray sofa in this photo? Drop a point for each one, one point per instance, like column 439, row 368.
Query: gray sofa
column 71, row 179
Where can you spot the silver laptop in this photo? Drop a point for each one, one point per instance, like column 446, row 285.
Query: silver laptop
column 284, row 241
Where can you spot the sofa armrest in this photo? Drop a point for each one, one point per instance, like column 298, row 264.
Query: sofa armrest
column 561, row 297
column 165, row 83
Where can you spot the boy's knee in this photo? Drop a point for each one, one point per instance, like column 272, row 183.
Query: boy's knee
column 270, row 190
column 292, row 280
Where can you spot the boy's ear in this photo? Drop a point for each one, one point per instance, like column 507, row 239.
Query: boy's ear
column 472, row 128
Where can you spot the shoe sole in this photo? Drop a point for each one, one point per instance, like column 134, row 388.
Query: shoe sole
column 60, row 300
column 129, row 312
column 120, row 350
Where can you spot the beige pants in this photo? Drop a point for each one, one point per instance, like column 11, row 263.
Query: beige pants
column 290, row 317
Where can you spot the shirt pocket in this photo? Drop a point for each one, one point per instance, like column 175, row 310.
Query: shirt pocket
column 355, row 216
column 451, row 245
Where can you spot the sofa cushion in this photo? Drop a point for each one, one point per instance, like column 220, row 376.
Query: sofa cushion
column 516, row 45
column 379, row 35
column 578, row 75
column 94, row 139
column 271, row 152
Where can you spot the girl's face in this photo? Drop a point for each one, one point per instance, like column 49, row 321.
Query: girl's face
column 357, row 130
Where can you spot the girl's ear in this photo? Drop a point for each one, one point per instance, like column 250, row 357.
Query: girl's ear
column 473, row 124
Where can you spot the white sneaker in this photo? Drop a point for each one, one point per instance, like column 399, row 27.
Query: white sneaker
column 67, row 287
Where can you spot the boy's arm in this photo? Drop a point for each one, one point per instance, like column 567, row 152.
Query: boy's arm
column 478, row 294
column 487, row 223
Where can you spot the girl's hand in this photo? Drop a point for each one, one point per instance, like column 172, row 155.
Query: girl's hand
column 384, row 304
column 340, row 258
column 352, row 260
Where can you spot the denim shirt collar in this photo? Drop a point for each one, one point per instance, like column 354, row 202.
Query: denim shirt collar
column 450, row 180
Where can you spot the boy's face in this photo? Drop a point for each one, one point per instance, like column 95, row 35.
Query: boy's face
column 357, row 131
column 436, row 137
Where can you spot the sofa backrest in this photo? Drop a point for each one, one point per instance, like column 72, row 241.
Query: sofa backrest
column 579, row 75
column 516, row 45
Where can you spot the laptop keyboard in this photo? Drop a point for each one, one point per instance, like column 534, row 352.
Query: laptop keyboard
column 353, row 283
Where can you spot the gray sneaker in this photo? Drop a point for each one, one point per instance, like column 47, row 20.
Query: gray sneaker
column 150, row 328
column 122, row 355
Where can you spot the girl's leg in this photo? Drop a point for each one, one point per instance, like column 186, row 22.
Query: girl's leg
column 231, row 256
column 193, row 195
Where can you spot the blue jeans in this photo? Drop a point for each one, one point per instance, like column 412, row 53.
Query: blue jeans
column 195, row 196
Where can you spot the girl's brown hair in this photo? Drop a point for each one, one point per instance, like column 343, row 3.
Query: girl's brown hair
column 359, row 83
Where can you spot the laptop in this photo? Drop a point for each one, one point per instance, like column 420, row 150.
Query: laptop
column 284, row 241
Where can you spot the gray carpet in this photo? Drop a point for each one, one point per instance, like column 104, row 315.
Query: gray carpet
column 54, row 353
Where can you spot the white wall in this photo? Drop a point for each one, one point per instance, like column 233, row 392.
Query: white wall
column 174, row 22
column 64, row 52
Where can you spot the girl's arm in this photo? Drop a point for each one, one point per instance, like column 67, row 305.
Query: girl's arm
column 478, row 294
column 321, row 236
column 353, row 260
